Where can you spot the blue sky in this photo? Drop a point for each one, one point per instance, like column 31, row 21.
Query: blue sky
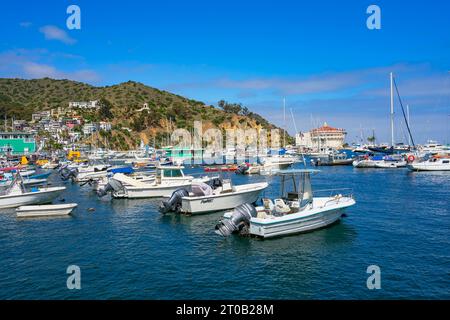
column 319, row 55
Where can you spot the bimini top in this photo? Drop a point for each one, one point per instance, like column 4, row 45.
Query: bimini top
column 293, row 172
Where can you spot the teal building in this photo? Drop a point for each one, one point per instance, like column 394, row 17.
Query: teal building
column 17, row 143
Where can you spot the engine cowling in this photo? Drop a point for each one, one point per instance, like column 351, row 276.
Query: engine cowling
column 174, row 202
column 240, row 219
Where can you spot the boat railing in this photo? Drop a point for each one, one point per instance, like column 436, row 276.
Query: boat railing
column 336, row 194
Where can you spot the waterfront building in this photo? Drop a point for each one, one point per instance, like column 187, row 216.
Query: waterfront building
column 322, row 137
column 17, row 143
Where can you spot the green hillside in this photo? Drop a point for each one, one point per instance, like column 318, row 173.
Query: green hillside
column 20, row 98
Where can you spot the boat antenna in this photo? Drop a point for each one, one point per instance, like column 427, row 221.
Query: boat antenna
column 404, row 115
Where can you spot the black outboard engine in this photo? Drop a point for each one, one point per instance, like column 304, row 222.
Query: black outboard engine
column 238, row 222
column 112, row 185
column 174, row 202
column 67, row 174
column 242, row 169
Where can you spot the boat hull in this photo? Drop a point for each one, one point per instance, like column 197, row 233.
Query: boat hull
column 427, row 167
column 40, row 197
column 45, row 211
column 150, row 192
column 298, row 223
column 197, row 205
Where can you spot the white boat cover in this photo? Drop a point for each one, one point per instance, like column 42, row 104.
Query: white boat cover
column 201, row 189
column 128, row 180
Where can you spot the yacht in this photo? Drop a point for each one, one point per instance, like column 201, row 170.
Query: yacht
column 435, row 163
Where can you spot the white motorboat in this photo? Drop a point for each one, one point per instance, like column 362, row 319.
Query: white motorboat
column 49, row 165
column 45, row 210
column 247, row 168
column 294, row 212
column 26, row 182
column 386, row 164
column 432, row 164
column 167, row 180
column 16, row 195
column 432, row 147
column 364, row 163
column 204, row 198
column 392, row 161
column 27, row 173
column 278, row 162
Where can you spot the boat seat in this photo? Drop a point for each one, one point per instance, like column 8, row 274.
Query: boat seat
column 227, row 187
column 281, row 207
column 261, row 215
column 268, row 204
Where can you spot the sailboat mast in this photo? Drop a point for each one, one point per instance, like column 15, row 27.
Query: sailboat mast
column 284, row 119
column 409, row 124
column 293, row 120
column 392, row 109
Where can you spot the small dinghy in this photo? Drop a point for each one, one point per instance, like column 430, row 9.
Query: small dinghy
column 45, row 210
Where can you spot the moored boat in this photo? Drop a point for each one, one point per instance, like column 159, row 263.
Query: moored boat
column 432, row 164
column 294, row 212
column 16, row 194
column 206, row 198
column 45, row 210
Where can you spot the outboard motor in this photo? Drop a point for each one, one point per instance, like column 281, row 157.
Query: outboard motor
column 242, row 169
column 112, row 185
column 67, row 174
column 239, row 220
column 174, row 202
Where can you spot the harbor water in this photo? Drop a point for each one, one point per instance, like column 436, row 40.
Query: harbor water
column 126, row 249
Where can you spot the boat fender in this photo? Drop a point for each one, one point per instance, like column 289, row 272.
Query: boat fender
column 174, row 202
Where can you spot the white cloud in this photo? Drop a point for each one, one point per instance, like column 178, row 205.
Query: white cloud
column 39, row 63
column 55, row 33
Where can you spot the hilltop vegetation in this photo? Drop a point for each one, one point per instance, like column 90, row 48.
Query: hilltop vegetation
column 120, row 104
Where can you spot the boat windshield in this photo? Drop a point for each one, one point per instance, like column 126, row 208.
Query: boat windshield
column 173, row 173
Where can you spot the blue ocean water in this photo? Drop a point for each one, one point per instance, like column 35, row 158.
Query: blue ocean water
column 127, row 250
